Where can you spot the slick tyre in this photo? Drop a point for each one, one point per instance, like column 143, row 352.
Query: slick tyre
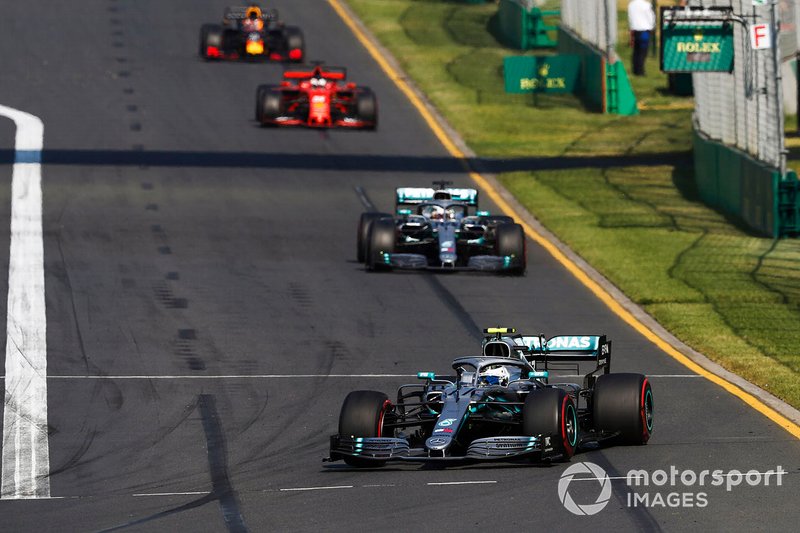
column 363, row 227
column 362, row 415
column 510, row 242
column 210, row 36
column 551, row 413
column 295, row 44
column 624, row 403
column 366, row 107
column 268, row 105
column 380, row 241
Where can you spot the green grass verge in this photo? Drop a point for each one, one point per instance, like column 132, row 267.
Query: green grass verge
column 728, row 294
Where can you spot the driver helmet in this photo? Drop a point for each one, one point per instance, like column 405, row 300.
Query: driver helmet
column 496, row 375
column 434, row 212
column 318, row 82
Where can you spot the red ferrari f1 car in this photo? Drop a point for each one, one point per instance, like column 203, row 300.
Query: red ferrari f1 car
column 250, row 33
column 318, row 97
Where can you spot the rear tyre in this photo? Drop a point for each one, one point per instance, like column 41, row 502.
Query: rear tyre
column 624, row 403
column 362, row 415
column 295, row 44
column 510, row 242
column 551, row 413
column 210, row 36
column 363, row 228
column 268, row 105
column 367, row 107
column 380, row 241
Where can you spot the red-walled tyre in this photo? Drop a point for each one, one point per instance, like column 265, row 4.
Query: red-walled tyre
column 551, row 413
column 623, row 403
column 362, row 415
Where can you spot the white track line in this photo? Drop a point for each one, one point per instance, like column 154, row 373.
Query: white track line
column 315, row 376
column 245, row 376
column 195, row 493
column 26, row 458
column 300, row 489
column 433, row 483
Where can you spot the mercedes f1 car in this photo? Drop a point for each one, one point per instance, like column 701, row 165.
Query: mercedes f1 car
column 318, row 97
column 250, row 33
column 500, row 406
column 440, row 228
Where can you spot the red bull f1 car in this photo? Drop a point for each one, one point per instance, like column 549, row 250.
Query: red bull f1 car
column 318, row 97
column 500, row 405
column 248, row 33
column 440, row 228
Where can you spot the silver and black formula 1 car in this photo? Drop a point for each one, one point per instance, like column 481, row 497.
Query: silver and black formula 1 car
column 499, row 406
column 440, row 228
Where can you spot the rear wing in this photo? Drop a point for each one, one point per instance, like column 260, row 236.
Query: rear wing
column 302, row 72
column 405, row 196
column 539, row 351
column 243, row 12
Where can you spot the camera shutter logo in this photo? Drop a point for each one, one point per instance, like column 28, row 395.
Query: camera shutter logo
column 598, row 474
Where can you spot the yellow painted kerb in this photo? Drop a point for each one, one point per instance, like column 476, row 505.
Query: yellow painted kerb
column 592, row 285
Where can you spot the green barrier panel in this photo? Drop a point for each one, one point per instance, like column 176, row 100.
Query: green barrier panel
column 603, row 87
column 620, row 99
column 541, row 74
column 747, row 189
column 523, row 26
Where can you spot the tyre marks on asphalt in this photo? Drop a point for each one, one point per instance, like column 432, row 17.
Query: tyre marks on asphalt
column 222, row 490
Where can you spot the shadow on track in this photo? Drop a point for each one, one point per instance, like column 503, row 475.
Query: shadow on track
column 338, row 162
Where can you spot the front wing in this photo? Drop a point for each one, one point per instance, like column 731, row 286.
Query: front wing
column 382, row 449
column 480, row 263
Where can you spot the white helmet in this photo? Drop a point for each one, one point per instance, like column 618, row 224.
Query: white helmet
column 495, row 375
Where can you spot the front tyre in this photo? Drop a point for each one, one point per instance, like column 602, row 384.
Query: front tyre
column 363, row 228
column 380, row 242
column 366, row 107
column 623, row 403
column 362, row 415
column 552, row 414
column 211, row 40
column 510, row 243
column 268, row 105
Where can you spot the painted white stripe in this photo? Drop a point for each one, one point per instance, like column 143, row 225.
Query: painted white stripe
column 198, row 493
column 678, row 376
column 244, row 376
column 461, row 483
column 297, row 489
column 26, row 457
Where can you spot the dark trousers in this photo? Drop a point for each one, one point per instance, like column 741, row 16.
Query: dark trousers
column 641, row 40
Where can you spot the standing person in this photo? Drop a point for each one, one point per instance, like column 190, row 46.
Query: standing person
column 641, row 22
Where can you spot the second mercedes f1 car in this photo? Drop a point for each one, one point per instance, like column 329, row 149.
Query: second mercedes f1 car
column 250, row 33
column 316, row 96
column 499, row 406
column 441, row 229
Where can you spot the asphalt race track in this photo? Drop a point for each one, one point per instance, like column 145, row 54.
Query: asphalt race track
column 206, row 315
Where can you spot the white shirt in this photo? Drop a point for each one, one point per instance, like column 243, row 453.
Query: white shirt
column 641, row 16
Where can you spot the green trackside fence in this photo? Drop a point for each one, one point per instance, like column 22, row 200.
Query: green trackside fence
column 747, row 189
column 523, row 25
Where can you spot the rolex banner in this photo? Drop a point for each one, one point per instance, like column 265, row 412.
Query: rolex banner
column 541, row 74
column 696, row 45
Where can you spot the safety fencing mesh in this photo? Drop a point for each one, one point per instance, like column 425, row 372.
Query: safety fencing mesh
column 594, row 21
column 744, row 109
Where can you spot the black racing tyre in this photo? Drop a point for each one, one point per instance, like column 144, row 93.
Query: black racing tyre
column 624, row 403
column 551, row 413
column 363, row 228
column 380, row 240
column 366, row 107
column 295, row 41
column 510, row 241
column 499, row 219
column 268, row 104
column 362, row 415
column 210, row 35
